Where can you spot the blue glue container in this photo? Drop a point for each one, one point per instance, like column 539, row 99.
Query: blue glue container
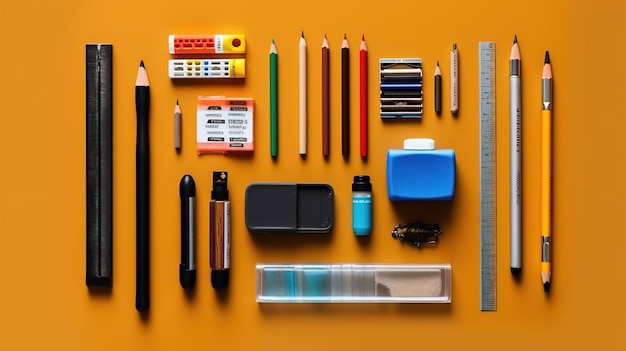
column 361, row 205
column 419, row 172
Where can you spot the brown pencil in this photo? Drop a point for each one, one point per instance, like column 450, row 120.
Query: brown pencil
column 325, row 98
column 345, row 97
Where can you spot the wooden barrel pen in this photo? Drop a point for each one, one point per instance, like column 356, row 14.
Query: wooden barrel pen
column 219, row 231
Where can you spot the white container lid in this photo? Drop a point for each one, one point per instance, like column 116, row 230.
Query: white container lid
column 419, row 144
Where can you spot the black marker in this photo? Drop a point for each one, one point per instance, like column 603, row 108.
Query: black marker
column 187, row 266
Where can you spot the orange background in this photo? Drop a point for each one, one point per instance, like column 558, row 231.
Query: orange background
column 44, row 303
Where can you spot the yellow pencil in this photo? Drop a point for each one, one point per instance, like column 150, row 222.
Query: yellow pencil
column 546, row 174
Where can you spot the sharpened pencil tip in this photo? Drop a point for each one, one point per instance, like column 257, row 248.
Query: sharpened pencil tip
column 454, row 46
column 437, row 63
column 176, row 101
column 141, row 64
column 273, row 41
column 303, row 33
column 515, row 39
column 546, row 287
column 325, row 36
column 363, row 37
column 344, row 36
column 547, row 59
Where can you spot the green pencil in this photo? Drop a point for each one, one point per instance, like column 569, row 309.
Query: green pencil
column 273, row 100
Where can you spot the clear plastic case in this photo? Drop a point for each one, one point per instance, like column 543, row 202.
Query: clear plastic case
column 353, row 283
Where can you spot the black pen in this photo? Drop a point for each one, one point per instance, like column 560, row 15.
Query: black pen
column 142, row 104
column 187, row 268
column 219, row 231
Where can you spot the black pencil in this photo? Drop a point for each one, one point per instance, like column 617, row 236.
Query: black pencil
column 142, row 103
column 437, row 89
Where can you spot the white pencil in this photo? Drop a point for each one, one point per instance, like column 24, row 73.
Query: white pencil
column 454, row 80
column 515, row 114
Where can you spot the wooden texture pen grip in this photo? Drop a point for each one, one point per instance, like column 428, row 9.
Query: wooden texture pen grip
column 219, row 235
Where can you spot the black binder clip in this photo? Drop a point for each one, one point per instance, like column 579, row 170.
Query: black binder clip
column 401, row 88
column 417, row 233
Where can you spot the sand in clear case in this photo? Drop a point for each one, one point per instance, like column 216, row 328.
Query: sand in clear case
column 353, row 283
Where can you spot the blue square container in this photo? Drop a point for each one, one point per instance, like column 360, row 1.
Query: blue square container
column 419, row 172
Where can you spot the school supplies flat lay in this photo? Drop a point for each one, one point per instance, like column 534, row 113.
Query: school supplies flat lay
column 417, row 172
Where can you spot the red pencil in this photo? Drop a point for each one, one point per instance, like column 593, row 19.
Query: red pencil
column 363, row 75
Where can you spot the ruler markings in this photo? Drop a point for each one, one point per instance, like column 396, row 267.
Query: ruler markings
column 487, row 113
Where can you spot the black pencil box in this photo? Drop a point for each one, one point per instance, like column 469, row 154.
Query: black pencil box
column 289, row 207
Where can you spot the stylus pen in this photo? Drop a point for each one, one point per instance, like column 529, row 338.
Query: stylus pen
column 454, row 80
column 515, row 138
column 187, row 268
column 546, row 174
column 142, row 103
